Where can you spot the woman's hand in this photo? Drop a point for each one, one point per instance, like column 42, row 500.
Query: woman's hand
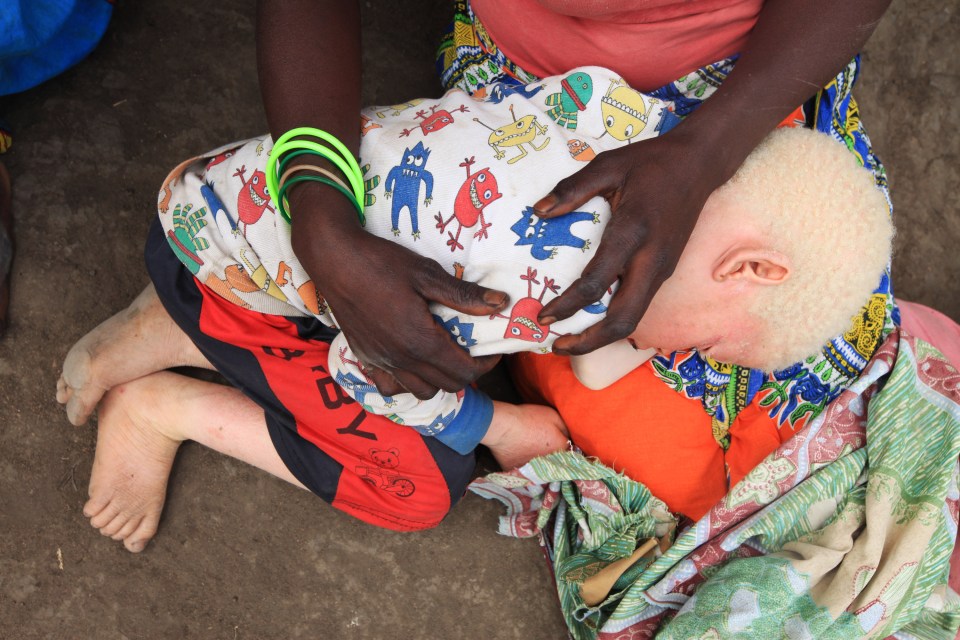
column 656, row 190
column 379, row 293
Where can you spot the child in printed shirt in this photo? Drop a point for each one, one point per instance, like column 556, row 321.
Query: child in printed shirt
column 455, row 180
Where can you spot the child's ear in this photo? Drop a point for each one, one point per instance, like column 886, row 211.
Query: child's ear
column 759, row 266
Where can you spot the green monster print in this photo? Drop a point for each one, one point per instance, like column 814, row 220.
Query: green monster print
column 577, row 91
column 183, row 237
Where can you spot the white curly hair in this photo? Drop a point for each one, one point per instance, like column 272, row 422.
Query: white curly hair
column 813, row 201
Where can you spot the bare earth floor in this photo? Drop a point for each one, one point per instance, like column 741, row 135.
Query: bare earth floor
column 239, row 554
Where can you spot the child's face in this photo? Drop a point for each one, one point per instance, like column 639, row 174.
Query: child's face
column 695, row 308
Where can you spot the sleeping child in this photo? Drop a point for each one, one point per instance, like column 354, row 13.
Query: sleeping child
column 455, row 179
column 781, row 258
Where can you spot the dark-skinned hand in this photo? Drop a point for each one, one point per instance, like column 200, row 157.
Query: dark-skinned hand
column 656, row 189
column 389, row 326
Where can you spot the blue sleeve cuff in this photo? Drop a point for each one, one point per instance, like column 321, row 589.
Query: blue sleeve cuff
column 467, row 429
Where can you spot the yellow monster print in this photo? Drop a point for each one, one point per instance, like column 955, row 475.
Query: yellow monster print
column 516, row 134
column 624, row 111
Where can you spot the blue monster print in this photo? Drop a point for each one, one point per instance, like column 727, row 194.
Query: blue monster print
column 226, row 223
column 439, row 423
column 462, row 332
column 497, row 91
column 552, row 233
column 403, row 182
column 359, row 388
column 668, row 120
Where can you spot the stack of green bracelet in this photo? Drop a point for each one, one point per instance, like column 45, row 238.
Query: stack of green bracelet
column 286, row 148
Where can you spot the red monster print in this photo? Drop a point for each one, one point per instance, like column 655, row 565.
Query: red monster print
column 523, row 323
column 435, row 120
column 254, row 197
column 476, row 192
column 220, row 157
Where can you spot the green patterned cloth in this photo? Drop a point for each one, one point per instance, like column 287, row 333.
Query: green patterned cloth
column 845, row 531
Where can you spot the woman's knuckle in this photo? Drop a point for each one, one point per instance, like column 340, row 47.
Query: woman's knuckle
column 591, row 289
column 619, row 329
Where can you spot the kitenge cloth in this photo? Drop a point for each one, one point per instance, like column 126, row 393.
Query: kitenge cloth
column 470, row 60
column 845, row 531
column 453, row 179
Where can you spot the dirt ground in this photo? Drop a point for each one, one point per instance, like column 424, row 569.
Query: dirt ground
column 240, row 554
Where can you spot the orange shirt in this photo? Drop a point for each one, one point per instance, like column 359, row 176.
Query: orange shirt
column 651, row 433
column 648, row 42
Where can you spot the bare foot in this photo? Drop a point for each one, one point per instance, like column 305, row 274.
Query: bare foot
column 136, row 444
column 141, row 339
column 520, row 433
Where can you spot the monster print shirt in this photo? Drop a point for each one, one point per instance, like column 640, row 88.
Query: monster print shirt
column 453, row 179
column 650, row 43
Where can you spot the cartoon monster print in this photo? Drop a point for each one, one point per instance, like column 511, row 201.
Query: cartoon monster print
column 220, row 158
column 225, row 222
column 623, row 110
column 183, row 238
column 357, row 387
column 403, row 185
column 263, row 280
column 312, row 300
column 545, row 235
column 235, row 278
column 668, row 120
column 383, row 476
column 516, row 134
column 369, row 184
column 496, row 92
column 166, row 191
column 367, row 125
column 523, row 323
column 434, row 120
column 476, row 192
column 576, row 91
column 580, row 150
column 462, row 332
column 254, row 198
column 398, row 108
column 440, row 422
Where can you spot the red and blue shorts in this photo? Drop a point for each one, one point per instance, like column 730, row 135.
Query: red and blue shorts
column 380, row 472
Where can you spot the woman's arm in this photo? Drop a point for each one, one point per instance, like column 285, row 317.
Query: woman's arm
column 308, row 54
column 657, row 188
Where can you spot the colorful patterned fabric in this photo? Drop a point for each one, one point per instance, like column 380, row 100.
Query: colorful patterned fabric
column 453, row 179
column 799, row 393
column 845, row 531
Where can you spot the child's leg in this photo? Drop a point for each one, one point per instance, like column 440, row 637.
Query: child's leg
column 139, row 340
column 141, row 426
column 520, row 433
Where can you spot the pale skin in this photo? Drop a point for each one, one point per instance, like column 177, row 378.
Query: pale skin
column 145, row 413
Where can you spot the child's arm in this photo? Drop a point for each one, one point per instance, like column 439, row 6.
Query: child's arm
column 601, row 368
column 459, row 420
column 521, row 432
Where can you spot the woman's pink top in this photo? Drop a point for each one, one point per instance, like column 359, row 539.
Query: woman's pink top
column 648, row 42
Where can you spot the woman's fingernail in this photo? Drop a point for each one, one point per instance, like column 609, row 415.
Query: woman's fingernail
column 547, row 320
column 545, row 204
column 494, row 298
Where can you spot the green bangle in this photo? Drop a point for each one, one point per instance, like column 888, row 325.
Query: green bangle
column 313, row 178
column 345, row 162
column 326, row 137
column 352, row 178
